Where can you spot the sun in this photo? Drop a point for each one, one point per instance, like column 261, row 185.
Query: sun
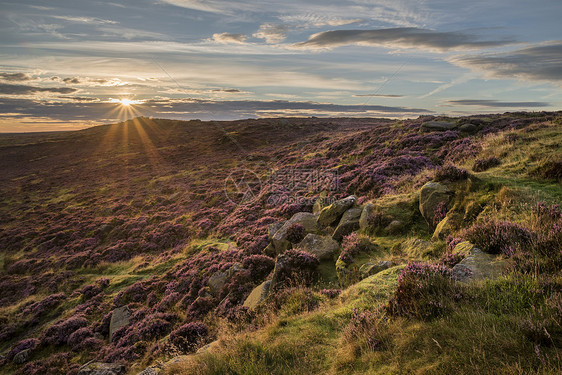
column 125, row 102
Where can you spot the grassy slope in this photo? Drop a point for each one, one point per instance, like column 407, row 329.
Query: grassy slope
column 479, row 337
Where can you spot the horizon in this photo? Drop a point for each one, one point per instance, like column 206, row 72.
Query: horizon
column 69, row 66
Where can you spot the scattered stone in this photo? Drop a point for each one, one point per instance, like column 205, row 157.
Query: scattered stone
column 323, row 247
column 100, row 368
column 438, row 126
column 469, row 128
column 463, row 248
column 321, row 202
column 447, row 226
column 478, row 265
column 368, row 210
column 433, row 194
column 306, row 219
column 331, row 214
column 348, row 223
column 219, row 279
column 395, row 227
column 22, row 357
column 369, row 269
column 119, row 318
column 257, row 295
column 150, row 371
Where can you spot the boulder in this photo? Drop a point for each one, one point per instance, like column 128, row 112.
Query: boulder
column 438, row 126
column 395, row 227
column 150, row 371
column 463, row 248
column 257, row 295
column 331, row 214
column 416, row 247
column 322, row 202
column 100, row 368
column 323, row 247
column 468, row 128
column 219, row 279
column 433, row 194
column 306, row 219
column 210, row 346
column 348, row 223
column 119, row 318
column 22, row 357
column 368, row 210
column 273, row 228
column 478, row 265
column 369, row 269
column 446, row 226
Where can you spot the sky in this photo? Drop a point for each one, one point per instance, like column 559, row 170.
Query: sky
column 69, row 64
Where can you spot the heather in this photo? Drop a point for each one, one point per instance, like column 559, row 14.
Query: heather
column 135, row 215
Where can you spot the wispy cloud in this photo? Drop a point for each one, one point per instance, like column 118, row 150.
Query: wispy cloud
column 272, row 33
column 226, row 38
column 86, row 20
column 542, row 62
column 15, row 77
column 402, row 37
column 379, row 95
column 497, row 103
column 28, row 90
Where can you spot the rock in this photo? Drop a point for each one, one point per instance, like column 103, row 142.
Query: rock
column 100, row 368
column 321, row 202
column 22, row 357
column 416, row 248
column 219, row 279
column 446, row 226
column 273, row 228
column 438, row 126
column 306, row 219
column 469, row 128
column 207, row 347
column 433, row 194
column 395, row 227
column 150, row 371
column 270, row 251
column 348, row 223
column 369, row 269
column 323, row 247
column 257, row 295
column 368, row 210
column 478, row 265
column 463, row 248
column 119, row 318
column 331, row 214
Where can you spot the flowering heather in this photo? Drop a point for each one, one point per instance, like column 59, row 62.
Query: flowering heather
column 452, row 242
column 450, row 173
column 363, row 328
column 22, row 345
column 295, row 233
column 330, row 293
column 77, row 338
column 294, row 266
column 421, row 291
column 481, row 165
column 497, row 237
column 450, row 260
column 259, row 266
column 59, row 333
column 187, row 337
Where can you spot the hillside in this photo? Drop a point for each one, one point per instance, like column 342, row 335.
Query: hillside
column 446, row 258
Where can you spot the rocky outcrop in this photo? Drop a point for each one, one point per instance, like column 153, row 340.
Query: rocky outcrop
column 331, row 214
column 273, row 228
column 323, row 247
column 348, row 223
column 119, row 318
column 100, row 368
column 219, row 279
column 478, row 265
column 368, row 210
column 22, row 357
column 432, row 195
column 446, row 226
column 416, row 247
column 369, row 269
column 150, row 371
column 469, row 128
column 257, row 295
column 438, row 126
column 307, row 220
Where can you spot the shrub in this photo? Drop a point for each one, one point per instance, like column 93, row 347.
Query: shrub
column 363, row 330
column 259, row 266
column 422, row 291
column 188, row 336
column 450, row 173
column 450, row 260
column 481, row 165
column 498, row 237
column 294, row 266
column 295, row 233
column 59, row 333
column 21, row 346
column 354, row 244
column 76, row 339
column 330, row 293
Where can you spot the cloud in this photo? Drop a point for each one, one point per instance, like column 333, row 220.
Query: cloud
column 27, row 90
column 542, row 63
column 226, row 38
column 401, row 37
column 90, row 82
column 497, row 103
column 73, row 81
column 316, row 20
column 272, row 33
column 86, row 20
column 379, row 95
column 15, row 77
column 228, row 90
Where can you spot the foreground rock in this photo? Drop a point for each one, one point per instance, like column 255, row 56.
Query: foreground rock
column 150, row 371
column 22, row 357
column 119, row 318
column 323, row 247
column 219, row 279
column 331, row 214
column 348, row 223
column 477, row 265
column 306, row 219
column 432, row 195
column 416, row 248
column 257, row 295
column 446, row 226
column 99, row 368
column 370, row 269
column 438, row 126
